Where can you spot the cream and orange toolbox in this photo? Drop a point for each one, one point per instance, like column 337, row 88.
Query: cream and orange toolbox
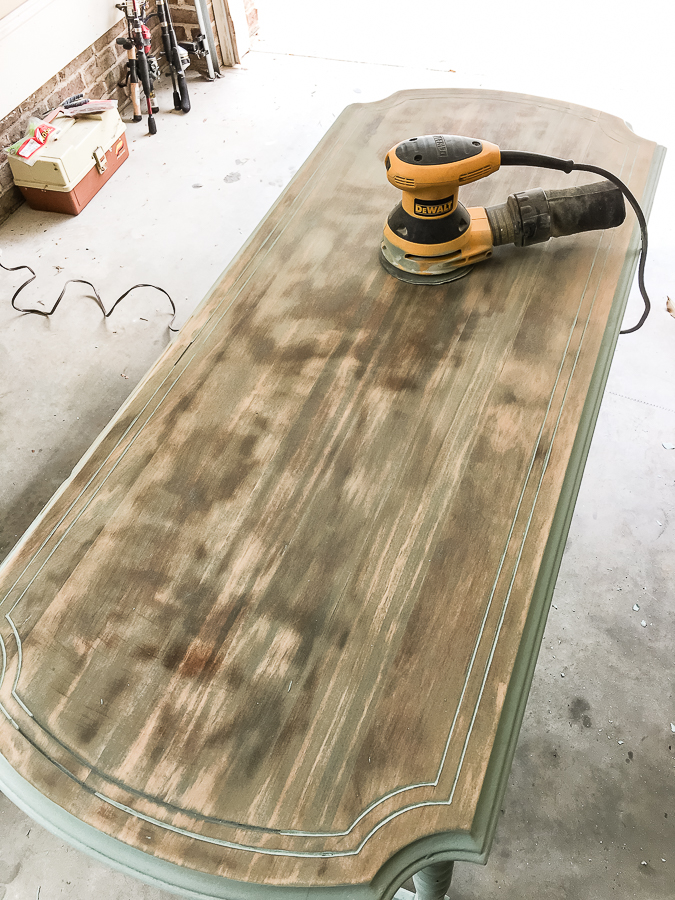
column 74, row 167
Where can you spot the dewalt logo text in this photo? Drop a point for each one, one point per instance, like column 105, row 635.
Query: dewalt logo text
column 434, row 208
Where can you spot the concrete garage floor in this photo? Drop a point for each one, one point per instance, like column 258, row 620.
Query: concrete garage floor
column 590, row 807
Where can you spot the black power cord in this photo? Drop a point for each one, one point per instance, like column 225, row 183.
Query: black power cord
column 47, row 313
column 523, row 158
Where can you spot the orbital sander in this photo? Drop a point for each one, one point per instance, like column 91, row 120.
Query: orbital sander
column 431, row 238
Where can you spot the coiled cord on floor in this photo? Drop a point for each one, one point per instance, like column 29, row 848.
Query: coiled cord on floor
column 47, row 313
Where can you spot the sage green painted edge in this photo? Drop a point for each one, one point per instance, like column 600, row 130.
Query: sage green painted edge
column 499, row 767
column 157, row 872
column 472, row 847
column 196, row 885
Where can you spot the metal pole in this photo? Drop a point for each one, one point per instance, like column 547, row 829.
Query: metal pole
column 209, row 45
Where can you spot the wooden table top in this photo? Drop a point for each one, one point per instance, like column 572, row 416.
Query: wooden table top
column 278, row 628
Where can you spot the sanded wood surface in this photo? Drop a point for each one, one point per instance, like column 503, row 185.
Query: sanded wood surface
column 266, row 630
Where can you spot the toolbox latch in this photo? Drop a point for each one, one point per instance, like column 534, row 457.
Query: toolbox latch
column 101, row 161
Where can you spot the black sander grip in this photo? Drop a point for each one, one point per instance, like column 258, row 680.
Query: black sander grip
column 532, row 217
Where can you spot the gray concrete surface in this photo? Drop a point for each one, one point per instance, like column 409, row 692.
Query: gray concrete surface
column 590, row 807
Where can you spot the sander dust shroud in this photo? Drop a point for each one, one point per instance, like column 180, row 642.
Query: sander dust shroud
column 431, row 238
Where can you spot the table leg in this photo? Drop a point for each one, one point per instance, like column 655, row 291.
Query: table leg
column 432, row 882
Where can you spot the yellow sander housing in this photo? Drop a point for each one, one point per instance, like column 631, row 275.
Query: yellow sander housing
column 431, row 238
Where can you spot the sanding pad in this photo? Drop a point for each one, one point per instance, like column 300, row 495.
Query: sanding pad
column 416, row 278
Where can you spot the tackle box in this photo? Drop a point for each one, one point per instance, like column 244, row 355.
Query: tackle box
column 74, row 167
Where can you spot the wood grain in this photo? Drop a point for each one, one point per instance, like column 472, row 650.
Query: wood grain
column 266, row 630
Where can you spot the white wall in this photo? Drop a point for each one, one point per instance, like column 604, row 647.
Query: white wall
column 241, row 35
column 40, row 37
column 6, row 6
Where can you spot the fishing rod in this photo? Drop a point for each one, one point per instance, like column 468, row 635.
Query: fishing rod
column 131, row 76
column 202, row 44
column 141, row 66
column 181, row 99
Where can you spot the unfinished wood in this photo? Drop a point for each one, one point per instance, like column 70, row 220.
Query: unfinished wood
column 266, row 631
column 227, row 39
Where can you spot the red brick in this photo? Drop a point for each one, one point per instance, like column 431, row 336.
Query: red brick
column 110, row 80
column 251, row 16
column 91, row 72
column 121, row 72
column 10, row 120
column 10, row 201
column 106, row 59
column 109, row 37
column 98, row 91
column 39, row 96
column 122, row 98
column 76, row 64
column 76, row 85
column 16, row 131
column 6, row 177
column 199, row 65
column 186, row 17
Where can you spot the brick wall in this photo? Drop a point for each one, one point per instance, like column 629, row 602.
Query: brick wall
column 94, row 72
column 186, row 26
column 184, row 18
column 251, row 16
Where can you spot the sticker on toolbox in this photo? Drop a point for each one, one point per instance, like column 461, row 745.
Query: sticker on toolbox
column 28, row 148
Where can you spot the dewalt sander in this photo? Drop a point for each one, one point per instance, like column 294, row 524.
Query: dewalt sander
column 431, row 238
